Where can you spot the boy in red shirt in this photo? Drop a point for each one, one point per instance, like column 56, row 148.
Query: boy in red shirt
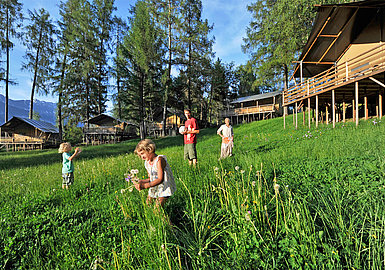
column 190, row 139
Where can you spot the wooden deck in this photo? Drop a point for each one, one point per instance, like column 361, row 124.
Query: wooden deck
column 364, row 66
column 268, row 108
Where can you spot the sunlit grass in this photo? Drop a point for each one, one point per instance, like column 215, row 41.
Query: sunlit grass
column 289, row 198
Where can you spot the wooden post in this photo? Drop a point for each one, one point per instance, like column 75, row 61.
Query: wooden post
column 327, row 115
column 284, row 117
column 303, row 114
column 380, row 104
column 316, row 111
column 366, row 107
column 296, row 115
column 354, row 110
column 356, row 100
column 308, row 111
column 334, row 108
column 293, row 116
column 343, row 111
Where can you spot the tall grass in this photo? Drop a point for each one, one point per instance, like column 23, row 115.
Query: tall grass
column 287, row 199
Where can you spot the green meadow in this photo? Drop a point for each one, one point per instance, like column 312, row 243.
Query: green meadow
column 287, row 199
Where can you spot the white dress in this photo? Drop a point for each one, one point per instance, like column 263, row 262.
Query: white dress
column 167, row 187
column 227, row 145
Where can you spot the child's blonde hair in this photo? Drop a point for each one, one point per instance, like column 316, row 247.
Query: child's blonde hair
column 65, row 147
column 146, row 145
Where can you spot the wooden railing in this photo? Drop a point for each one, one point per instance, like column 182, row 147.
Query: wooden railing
column 249, row 110
column 364, row 65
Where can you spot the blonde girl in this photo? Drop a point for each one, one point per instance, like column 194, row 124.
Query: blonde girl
column 160, row 182
column 68, row 165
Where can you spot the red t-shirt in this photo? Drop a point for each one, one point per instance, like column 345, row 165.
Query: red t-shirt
column 191, row 124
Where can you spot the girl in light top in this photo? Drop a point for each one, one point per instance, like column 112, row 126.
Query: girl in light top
column 68, row 165
column 160, row 181
column 227, row 134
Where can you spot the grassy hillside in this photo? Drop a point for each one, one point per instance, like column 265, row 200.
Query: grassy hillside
column 287, row 199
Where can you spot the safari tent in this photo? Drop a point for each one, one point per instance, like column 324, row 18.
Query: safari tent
column 104, row 129
column 341, row 71
column 21, row 133
column 255, row 107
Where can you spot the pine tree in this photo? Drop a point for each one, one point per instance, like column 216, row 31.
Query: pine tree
column 40, row 43
column 166, row 14
column 11, row 19
column 197, row 47
column 141, row 49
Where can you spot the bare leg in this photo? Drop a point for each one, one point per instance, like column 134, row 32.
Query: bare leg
column 195, row 162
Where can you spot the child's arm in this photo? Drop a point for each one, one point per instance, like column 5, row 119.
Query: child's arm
column 77, row 152
column 161, row 165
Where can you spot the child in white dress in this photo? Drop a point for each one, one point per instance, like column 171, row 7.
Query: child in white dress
column 160, row 181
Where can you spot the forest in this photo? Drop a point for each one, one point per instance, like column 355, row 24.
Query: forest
column 159, row 56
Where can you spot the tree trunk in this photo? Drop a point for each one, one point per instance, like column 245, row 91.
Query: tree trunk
column 7, row 65
column 35, row 75
column 60, row 100
column 168, row 71
column 141, row 109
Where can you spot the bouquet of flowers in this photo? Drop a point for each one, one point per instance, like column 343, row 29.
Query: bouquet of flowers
column 131, row 177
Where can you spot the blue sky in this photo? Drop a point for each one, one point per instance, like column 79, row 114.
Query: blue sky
column 229, row 17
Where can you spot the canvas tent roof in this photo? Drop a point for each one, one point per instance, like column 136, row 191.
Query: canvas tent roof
column 256, row 97
column 104, row 119
column 16, row 121
column 335, row 28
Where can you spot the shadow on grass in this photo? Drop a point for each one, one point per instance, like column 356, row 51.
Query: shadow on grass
column 12, row 160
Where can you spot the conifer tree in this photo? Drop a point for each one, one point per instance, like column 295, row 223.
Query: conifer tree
column 141, row 50
column 40, row 43
column 11, row 18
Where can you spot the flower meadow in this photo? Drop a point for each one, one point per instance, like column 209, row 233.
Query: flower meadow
column 287, row 199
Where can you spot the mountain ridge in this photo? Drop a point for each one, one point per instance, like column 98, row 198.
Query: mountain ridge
column 20, row 108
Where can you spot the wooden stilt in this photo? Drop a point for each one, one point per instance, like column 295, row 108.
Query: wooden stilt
column 356, row 101
column 380, row 104
column 284, row 117
column 316, row 111
column 308, row 113
column 366, row 107
column 296, row 115
column 334, row 108
column 343, row 111
column 354, row 110
column 327, row 115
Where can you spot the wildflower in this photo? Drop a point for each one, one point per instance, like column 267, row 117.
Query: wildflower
column 216, row 169
column 255, row 202
column 247, row 216
column 54, row 190
column 163, row 247
column 122, row 190
column 208, row 227
column 236, row 168
column 130, row 189
column 134, row 171
column 253, row 183
column 276, row 187
column 242, row 171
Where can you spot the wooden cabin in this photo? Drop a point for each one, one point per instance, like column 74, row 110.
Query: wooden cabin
column 256, row 107
column 104, row 129
column 174, row 120
column 341, row 71
column 27, row 134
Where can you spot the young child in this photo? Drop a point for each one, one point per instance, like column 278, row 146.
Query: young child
column 68, row 165
column 160, row 181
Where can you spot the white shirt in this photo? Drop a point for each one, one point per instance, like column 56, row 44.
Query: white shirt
column 227, row 131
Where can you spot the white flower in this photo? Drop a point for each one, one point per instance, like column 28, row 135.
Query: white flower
column 122, row 190
column 253, row 183
column 134, row 171
column 242, row 171
column 216, row 169
column 276, row 187
column 130, row 189
column 236, row 168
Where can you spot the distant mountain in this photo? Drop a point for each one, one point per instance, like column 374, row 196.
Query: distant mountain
column 20, row 108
